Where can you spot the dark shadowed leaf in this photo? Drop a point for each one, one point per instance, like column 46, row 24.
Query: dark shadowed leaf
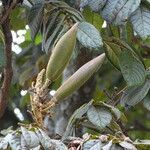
column 132, row 68
column 35, row 18
column 134, row 95
column 146, row 102
column 76, row 115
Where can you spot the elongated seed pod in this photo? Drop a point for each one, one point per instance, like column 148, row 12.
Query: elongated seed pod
column 79, row 77
column 61, row 54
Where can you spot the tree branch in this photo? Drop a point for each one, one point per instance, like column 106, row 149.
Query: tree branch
column 8, row 10
column 8, row 73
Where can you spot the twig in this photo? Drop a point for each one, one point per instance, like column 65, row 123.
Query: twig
column 116, row 98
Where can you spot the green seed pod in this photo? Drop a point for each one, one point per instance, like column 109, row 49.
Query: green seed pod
column 79, row 77
column 61, row 54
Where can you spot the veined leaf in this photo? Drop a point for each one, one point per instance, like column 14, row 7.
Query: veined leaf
column 140, row 20
column 132, row 68
column 134, row 95
column 89, row 36
column 99, row 116
column 111, row 55
column 118, row 11
column 95, row 5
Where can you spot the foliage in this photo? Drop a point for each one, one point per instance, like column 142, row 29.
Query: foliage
column 62, row 33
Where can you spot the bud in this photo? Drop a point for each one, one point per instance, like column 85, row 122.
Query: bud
column 79, row 77
column 61, row 54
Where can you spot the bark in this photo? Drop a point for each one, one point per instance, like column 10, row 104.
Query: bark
column 4, row 91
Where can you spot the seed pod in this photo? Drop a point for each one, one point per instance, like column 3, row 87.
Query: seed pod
column 79, row 77
column 61, row 54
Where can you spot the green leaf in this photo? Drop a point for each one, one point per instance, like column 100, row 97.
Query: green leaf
column 110, row 50
column 93, row 18
column 118, row 11
column 134, row 95
column 35, row 18
column 132, row 68
column 17, row 19
column 99, row 116
column 140, row 20
column 76, row 115
column 89, row 36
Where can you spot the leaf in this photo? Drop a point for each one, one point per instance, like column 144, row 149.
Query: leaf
column 146, row 102
column 58, row 17
column 43, row 138
column 89, row 36
column 92, row 145
column 48, row 143
column 99, row 116
column 93, row 18
column 142, row 144
column 111, row 55
column 30, row 138
column 14, row 140
column 140, row 20
column 116, row 147
column 3, row 144
column 35, row 18
column 134, row 95
column 118, row 11
column 113, row 48
column 132, row 68
column 127, row 145
column 95, row 5
column 107, row 146
column 76, row 115
column 57, row 145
